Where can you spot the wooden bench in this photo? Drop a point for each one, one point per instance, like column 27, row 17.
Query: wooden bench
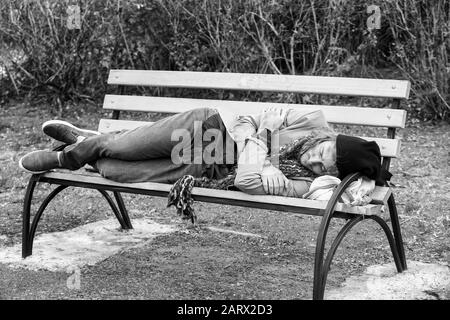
column 377, row 117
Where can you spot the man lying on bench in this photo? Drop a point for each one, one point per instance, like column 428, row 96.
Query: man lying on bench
column 214, row 143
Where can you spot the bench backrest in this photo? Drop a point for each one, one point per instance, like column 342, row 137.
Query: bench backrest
column 351, row 115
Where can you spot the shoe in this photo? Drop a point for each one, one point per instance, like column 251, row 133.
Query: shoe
column 40, row 161
column 65, row 132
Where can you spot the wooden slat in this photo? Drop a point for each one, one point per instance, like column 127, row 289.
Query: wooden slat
column 334, row 114
column 381, row 195
column 313, row 207
column 263, row 82
column 388, row 147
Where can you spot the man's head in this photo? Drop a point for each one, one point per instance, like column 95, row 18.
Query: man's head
column 316, row 152
column 326, row 153
column 321, row 158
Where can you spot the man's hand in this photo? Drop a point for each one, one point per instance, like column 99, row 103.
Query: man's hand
column 272, row 119
column 273, row 180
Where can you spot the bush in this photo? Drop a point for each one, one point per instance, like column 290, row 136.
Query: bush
column 420, row 47
column 315, row 37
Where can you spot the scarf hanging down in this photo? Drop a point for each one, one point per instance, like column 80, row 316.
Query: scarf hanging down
column 180, row 197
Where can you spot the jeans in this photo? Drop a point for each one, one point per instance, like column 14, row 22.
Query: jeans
column 142, row 154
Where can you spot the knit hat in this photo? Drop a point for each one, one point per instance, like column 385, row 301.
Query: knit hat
column 354, row 154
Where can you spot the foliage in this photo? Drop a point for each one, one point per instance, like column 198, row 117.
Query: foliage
column 40, row 55
column 419, row 33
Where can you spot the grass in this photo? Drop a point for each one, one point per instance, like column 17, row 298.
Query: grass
column 199, row 263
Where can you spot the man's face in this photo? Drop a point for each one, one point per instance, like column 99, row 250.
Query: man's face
column 321, row 159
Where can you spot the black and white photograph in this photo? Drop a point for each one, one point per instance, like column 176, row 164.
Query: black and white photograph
column 226, row 156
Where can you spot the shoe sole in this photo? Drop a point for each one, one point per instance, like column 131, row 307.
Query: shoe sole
column 29, row 171
column 49, row 122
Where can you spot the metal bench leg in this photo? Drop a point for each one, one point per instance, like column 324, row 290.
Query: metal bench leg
column 28, row 232
column 123, row 210
column 26, row 249
column 392, row 244
column 113, row 206
column 318, row 263
column 321, row 237
column 395, row 241
column 397, row 231
column 337, row 241
column 348, row 226
column 38, row 215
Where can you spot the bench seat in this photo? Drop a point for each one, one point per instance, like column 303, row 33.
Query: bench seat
column 87, row 179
